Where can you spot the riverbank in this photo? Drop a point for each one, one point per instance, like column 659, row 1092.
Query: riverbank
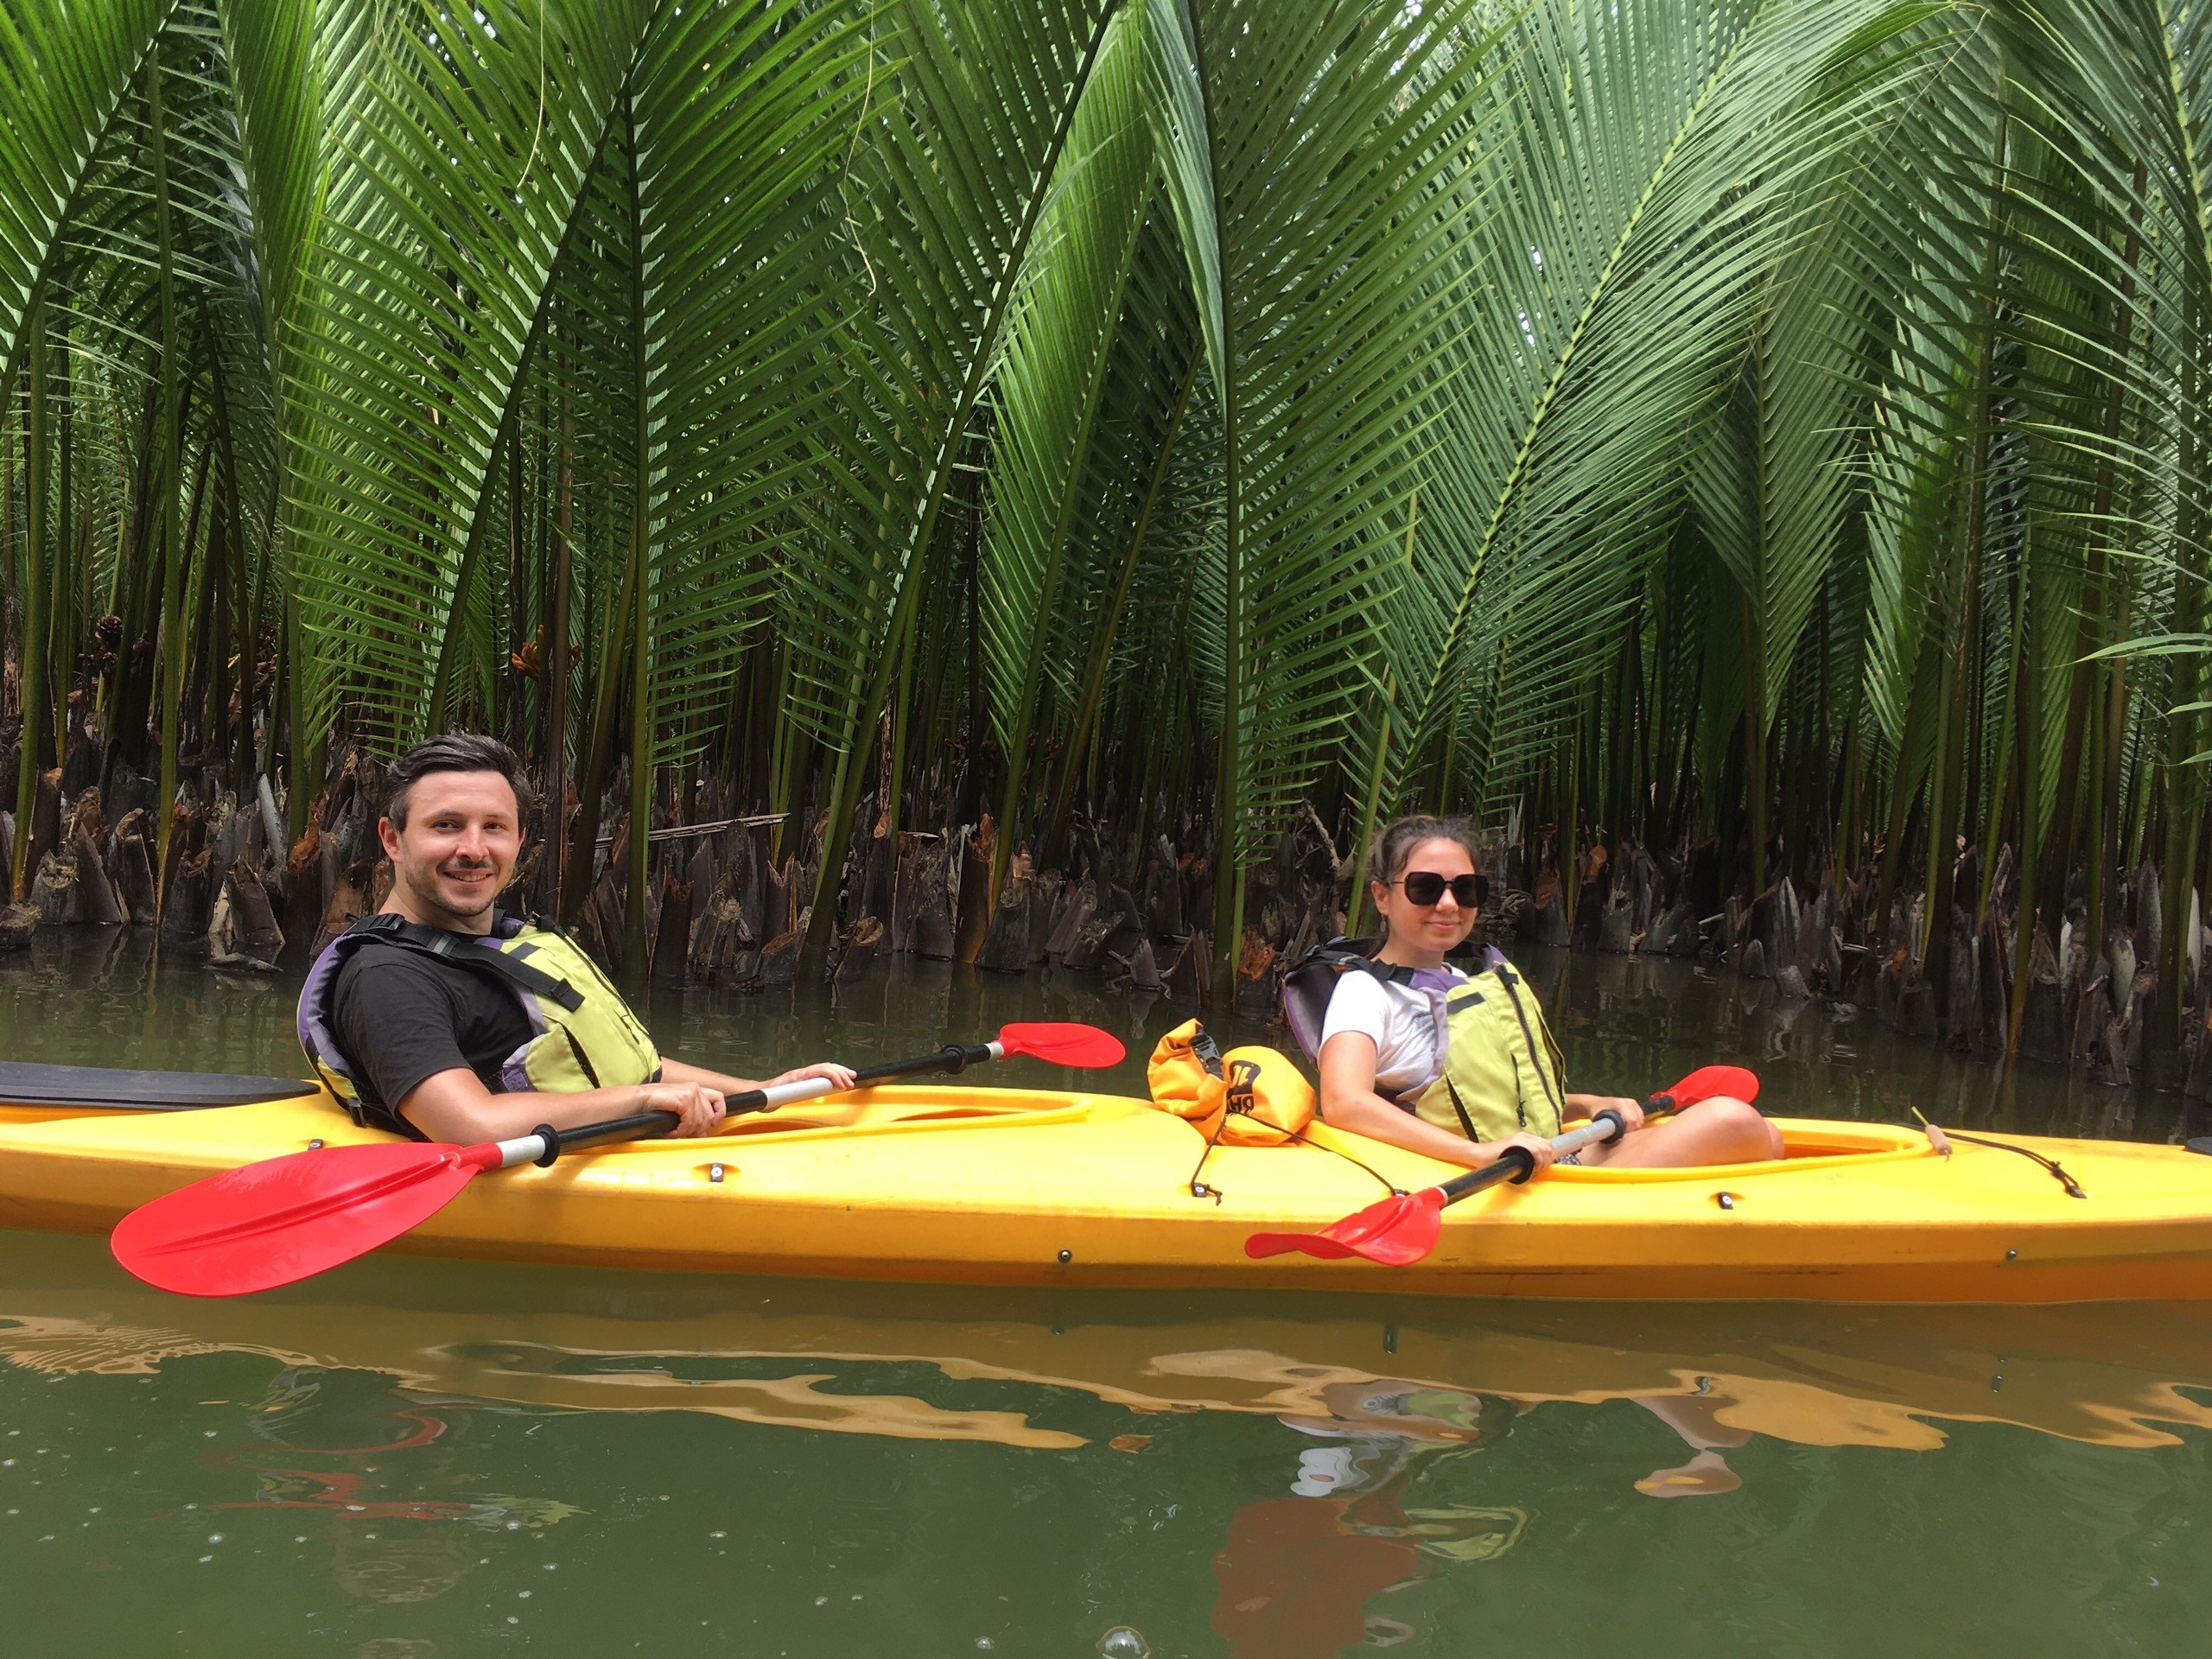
column 727, row 909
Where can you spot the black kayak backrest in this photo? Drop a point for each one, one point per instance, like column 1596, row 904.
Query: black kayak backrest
column 1307, row 985
column 101, row 1087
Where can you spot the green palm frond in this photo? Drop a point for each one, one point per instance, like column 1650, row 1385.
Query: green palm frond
column 945, row 187
column 436, row 258
column 66, row 71
column 1622, row 268
column 743, row 312
column 1771, row 488
column 1049, row 387
column 1345, row 150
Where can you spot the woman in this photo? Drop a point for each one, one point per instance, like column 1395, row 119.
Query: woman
column 1416, row 1053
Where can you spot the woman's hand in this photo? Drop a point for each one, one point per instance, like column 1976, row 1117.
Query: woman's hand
column 1534, row 1145
column 1631, row 1111
column 698, row 1104
column 840, row 1076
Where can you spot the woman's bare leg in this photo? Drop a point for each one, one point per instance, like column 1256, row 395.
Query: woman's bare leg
column 1717, row 1131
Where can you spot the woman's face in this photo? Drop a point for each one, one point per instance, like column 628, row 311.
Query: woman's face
column 1435, row 927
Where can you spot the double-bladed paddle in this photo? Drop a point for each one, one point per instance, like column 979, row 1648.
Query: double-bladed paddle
column 288, row 1218
column 1403, row 1228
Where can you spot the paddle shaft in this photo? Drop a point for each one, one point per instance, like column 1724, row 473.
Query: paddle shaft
column 953, row 1057
column 1517, row 1163
column 545, row 1143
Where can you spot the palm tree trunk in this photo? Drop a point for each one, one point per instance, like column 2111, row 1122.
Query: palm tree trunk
column 598, row 747
column 1755, row 740
column 62, row 620
column 31, row 601
column 2183, row 774
column 1370, row 797
column 641, row 564
column 553, row 664
column 171, row 440
column 1083, row 730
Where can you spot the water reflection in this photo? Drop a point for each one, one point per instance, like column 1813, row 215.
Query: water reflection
column 1376, row 1381
column 1348, row 1461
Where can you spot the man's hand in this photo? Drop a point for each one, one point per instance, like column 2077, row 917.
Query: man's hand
column 841, row 1077
column 699, row 1105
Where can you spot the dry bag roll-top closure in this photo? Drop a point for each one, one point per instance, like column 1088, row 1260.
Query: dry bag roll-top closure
column 1500, row 1072
column 583, row 1034
column 1252, row 1097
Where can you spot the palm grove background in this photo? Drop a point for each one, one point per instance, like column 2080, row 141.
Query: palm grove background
column 1709, row 441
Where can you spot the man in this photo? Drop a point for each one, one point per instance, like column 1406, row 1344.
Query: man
column 442, row 1019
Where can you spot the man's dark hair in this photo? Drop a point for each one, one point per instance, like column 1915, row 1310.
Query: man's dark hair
column 456, row 752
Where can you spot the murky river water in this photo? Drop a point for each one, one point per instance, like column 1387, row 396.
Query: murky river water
column 410, row 1458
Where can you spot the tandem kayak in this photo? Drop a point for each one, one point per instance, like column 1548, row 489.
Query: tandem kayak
column 951, row 1183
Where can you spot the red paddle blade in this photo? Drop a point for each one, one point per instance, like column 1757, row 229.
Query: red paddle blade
column 1708, row 1082
column 1397, row 1231
column 1064, row 1044
column 288, row 1218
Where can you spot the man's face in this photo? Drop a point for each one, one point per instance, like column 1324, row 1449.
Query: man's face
column 454, row 858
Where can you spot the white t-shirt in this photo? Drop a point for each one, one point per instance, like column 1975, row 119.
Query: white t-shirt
column 1399, row 1020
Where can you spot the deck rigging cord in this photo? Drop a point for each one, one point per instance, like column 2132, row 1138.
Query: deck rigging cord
column 1942, row 1138
column 1204, row 1190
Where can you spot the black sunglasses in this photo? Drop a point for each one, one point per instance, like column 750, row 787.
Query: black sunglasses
column 1425, row 887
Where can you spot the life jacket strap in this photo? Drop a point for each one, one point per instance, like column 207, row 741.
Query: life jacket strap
column 1309, row 982
column 467, row 953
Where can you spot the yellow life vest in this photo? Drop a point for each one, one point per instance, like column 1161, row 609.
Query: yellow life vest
column 583, row 1034
column 1502, row 1071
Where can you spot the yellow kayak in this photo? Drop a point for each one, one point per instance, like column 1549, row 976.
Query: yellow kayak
column 954, row 1183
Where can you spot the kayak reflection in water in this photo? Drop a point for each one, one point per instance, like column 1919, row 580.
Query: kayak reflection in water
column 1414, row 1053
column 1696, row 1418
column 1298, row 1572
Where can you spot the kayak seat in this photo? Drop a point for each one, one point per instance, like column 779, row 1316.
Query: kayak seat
column 100, row 1088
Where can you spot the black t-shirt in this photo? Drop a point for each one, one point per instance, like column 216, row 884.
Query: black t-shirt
column 400, row 1016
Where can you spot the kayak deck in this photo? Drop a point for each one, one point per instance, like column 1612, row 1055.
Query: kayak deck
column 949, row 1183
column 32, row 1093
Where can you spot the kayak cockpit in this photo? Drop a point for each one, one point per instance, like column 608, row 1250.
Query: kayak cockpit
column 904, row 1108
column 1808, row 1140
column 1808, row 1144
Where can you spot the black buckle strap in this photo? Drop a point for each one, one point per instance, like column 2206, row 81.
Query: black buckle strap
column 466, row 953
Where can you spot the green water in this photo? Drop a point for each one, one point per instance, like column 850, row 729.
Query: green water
column 413, row 1459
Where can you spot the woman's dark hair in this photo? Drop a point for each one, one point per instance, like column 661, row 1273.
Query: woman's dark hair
column 1393, row 844
column 456, row 752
